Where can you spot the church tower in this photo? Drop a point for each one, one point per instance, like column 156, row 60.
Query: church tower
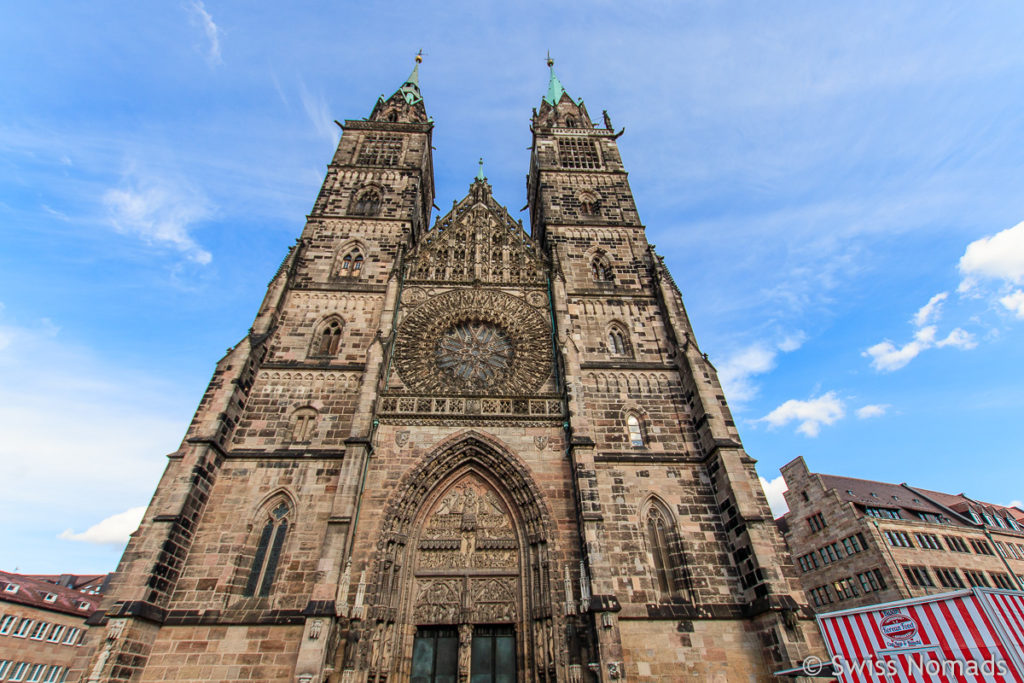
column 460, row 451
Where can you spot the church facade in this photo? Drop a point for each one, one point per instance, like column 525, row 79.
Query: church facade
column 460, row 451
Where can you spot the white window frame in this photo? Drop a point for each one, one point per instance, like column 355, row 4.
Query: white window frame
column 7, row 624
column 39, row 632
column 5, row 664
column 11, row 588
column 35, row 673
column 23, row 627
column 53, row 675
column 18, row 672
column 72, row 636
column 56, row 632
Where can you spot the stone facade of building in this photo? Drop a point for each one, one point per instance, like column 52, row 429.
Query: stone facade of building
column 42, row 624
column 461, row 449
column 856, row 542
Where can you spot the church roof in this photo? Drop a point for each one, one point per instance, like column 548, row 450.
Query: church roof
column 555, row 88
column 411, row 88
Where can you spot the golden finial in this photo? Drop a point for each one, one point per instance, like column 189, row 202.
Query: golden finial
column 550, row 61
column 419, row 57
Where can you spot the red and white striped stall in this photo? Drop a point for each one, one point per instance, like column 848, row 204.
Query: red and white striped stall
column 974, row 636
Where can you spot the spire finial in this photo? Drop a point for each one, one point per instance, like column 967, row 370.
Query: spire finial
column 419, row 56
column 480, row 172
column 555, row 89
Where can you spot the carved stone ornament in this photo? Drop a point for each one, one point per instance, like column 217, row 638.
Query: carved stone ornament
column 541, row 442
column 537, row 299
column 413, row 296
column 474, row 341
column 438, row 602
column 401, row 437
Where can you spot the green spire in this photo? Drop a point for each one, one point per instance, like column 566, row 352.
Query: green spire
column 480, row 173
column 555, row 89
column 411, row 88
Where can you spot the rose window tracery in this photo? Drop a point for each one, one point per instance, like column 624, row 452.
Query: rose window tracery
column 474, row 341
column 476, row 353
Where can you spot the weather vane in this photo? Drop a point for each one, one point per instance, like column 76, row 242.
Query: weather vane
column 419, row 56
column 550, row 61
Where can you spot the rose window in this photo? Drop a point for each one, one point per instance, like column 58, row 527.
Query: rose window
column 474, row 353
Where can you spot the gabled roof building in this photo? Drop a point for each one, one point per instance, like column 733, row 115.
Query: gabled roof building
column 858, row 542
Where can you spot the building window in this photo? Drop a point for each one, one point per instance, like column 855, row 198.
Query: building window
column 366, row 203
column 845, row 589
column 948, row 578
column 662, row 544
column 918, row 576
column 23, row 628
column 956, row 544
column 18, row 672
column 981, row 547
column 352, row 264
column 976, row 579
column 618, row 342
column 635, row 431
column 601, row 269
column 5, row 664
column 7, row 623
column 871, row 580
column 817, row 522
column 898, row 539
column 578, row 153
column 928, row 541
column 39, row 631
column 380, row 150
column 328, row 339
column 268, row 552
column 1003, row 581
column 304, row 421
column 55, row 633
column 72, row 637
column 35, row 673
column 883, row 513
column 589, row 205
column 53, row 675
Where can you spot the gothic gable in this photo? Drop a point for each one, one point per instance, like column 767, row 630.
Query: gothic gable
column 478, row 241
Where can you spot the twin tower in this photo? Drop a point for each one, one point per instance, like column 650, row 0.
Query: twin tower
column 460, row 452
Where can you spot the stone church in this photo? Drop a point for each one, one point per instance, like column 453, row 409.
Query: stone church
column 460, row 451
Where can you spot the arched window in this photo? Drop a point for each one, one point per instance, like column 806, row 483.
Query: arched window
column 570, row 122
column 268, row 551
column 303, row 423
column 367, row 203
column 328, row 341
column 352, row 264
column 601, row 269
column 588, row 204
column 634, row 430
column 669, row 572
column 618, row 342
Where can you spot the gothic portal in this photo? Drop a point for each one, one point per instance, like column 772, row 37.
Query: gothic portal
column 460, row 451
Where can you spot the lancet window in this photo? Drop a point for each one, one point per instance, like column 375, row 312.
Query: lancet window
column 601, row 268
column 635, row 431
column 352, row 264
column 663, row 544
column 327, row 340
column 268, row 551
column 618, row 342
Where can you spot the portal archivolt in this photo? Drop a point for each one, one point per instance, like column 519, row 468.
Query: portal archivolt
column 462, row 563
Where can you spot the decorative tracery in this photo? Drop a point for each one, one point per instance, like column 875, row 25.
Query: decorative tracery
column 268, row 550
column 601, row 268
column 366, row 203
column 666, row 553
column 327, row 338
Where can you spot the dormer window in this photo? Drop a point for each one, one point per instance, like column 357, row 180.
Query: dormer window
column 50, row 597
column 11, row 588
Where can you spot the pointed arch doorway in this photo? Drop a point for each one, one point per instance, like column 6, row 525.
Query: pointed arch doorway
column 463, row 572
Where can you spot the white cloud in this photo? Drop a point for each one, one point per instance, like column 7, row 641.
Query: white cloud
column 874, row 410
column 999, row 256
column 736, row 373
column 83, row 439
column 211, row 29
column 887, row 357
column 113, row 530
column 811, row 414
column 959, row 338
column 1014, row 303
column 159, row 212
column 773, row 490
column 1015, row 504
column 931, row 311
column 319, row 114
column 793, row 342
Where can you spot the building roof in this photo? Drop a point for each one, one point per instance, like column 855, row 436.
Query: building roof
column 880, row 494
column 33, row 591
column 84, row 583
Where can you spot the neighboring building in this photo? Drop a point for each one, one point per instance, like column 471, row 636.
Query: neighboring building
column 42, row 624
column 461, row 449
column 857, row 542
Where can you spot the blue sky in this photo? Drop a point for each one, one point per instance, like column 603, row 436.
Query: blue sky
column 837, row 190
